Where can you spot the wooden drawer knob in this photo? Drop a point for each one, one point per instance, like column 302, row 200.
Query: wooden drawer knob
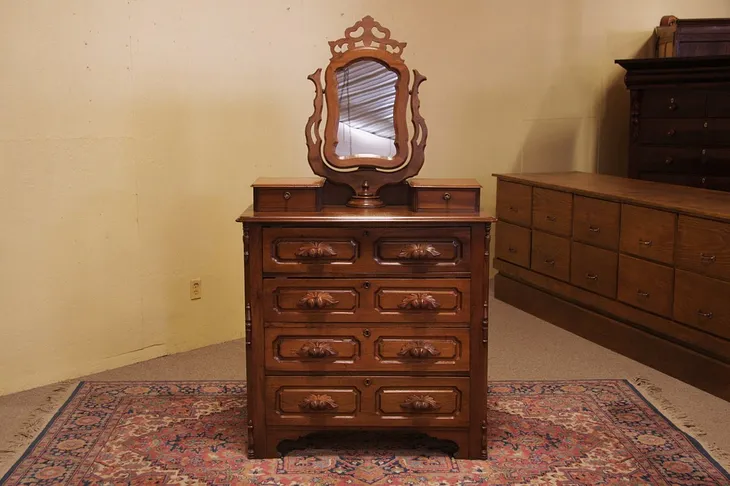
column 318, row 403
column 550, row 262
column 552, row 219
column 420, row 403
column 317, row 300
column 315, row 250
column 418, row 251
column 316, row 350
column 419, row 350
column 419, row 301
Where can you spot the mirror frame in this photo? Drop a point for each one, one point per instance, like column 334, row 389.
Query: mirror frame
column 399, row 112
column 366, row 39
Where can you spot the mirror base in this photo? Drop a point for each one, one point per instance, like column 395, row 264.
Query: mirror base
column 369, row 201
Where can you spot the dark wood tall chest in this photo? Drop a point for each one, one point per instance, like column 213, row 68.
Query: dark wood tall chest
column 680, row 120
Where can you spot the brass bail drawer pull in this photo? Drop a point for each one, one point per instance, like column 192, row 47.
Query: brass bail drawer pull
column 706, row 315
column 552, row 219
column 594, row 229
column 643, row 294
column 707, row 259
column 645, row 242
column 591, row 276
column 550, row 261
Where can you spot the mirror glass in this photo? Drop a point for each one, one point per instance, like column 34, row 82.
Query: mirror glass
column 366, row 99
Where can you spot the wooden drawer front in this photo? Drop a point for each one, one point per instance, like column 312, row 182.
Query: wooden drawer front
column 513, row 244
column 430, row 249
column 718, row 104
column 552, row 211
column 668, row 159
column 366, row 348
column 701, row 161
column 702, row 302
column 286, row 199
column 718, row 131
column 703, row 246
column 364, row 300
column 594, row 269
column 550, row 255
column 514, row 203
column 447, row 199
column 645, row 285
column 344, row 251
column 648, row 233
column 367, row 400
column 674, row 132
column 596, row 221
column 673, row 104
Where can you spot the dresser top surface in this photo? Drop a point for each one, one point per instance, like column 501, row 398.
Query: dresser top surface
column 341, row 214
column 686, row 200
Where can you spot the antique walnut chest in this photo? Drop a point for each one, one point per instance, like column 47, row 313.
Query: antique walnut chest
column 366, row 291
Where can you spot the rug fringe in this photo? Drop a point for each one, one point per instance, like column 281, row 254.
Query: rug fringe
column 654, row 394
column 34, row 423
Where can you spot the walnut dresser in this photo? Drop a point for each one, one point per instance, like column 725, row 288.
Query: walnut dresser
column 640, row 267
column 366, row 288
column 366, row 318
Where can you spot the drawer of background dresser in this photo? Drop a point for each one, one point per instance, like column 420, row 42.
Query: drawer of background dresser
column 550, row 255
column 366, row 300
column 552, row 211
column 645, row 285
column 514, row 203
column 674, row 132
column 648, row 233
column 673, row 103
column 703, row 246
column 596, row 221
column 333, row 347
column 702, row 302
column 594, row 269
column 367, row 400
column 340, row 251
column 513, row 244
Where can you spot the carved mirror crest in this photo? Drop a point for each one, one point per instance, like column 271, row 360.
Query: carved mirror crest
column 367, row 91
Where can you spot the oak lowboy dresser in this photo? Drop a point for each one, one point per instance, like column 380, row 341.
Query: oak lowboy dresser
column 640, row 267
column 366, row 290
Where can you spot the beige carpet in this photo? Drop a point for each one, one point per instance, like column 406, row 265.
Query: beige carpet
column 521, row 347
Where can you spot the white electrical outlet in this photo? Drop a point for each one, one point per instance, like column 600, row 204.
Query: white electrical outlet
column 196, row 289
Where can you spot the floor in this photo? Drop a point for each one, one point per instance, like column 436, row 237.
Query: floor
column 521, row 347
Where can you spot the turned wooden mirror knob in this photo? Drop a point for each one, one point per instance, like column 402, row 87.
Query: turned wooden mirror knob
column 367, row 91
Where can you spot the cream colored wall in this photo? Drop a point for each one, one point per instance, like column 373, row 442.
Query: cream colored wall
column 130, row 132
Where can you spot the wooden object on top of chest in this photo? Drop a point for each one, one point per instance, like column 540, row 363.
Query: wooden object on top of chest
column 366, row 291
column 680, row 120
column 640, row 267
column 692, row 37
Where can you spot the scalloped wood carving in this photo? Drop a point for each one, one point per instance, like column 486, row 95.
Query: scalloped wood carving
column 316, row 349
column 317, row 300
column 419, row 350
column 420, row 403
column 316, row 249
column 318, row 403
column 419, row 251
column 419, row 301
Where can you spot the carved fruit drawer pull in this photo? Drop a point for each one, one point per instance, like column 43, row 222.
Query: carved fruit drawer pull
column 316, row 349
column 420, row 403
column 419, row 302
column 418, row 251
column 419, row 350
column 317, row 300
column 316, row 250
column 318, row 403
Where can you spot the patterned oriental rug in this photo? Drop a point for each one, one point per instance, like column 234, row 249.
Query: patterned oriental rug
column 599, row 432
